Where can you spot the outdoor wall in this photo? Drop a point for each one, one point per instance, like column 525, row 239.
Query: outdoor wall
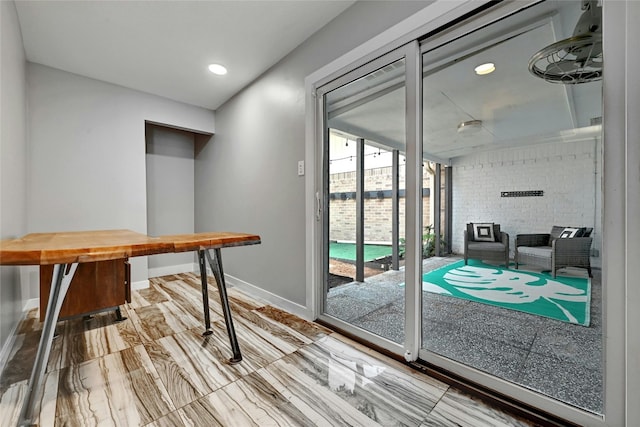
column 569, row 174
column 377, row 211
column 87, row 153
column 13, row 165
column 247, row 177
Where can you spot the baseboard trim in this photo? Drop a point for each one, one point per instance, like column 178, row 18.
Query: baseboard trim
column 8, row 344
column 5, row 352
column 30, row 304
column 140, row 284
column 172, row 269
column 273, row 299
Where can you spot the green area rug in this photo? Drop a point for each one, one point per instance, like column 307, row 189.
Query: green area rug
column 347, row 251
column 565, row 298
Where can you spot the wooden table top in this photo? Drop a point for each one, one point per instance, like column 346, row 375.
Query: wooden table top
column 102, row 245
column 194, row 242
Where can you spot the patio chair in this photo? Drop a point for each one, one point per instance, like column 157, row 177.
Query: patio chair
column 562, row 247
column 485, row 241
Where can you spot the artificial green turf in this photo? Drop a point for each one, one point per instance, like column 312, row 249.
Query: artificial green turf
column 347, row 251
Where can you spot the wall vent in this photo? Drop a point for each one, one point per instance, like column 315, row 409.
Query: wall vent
column 530, row 193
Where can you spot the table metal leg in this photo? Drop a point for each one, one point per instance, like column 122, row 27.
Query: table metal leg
column 119, row 316
column 59, row 286
column 218, row 273
column 205, row 293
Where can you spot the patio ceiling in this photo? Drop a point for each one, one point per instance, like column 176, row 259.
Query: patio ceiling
column 515, row 108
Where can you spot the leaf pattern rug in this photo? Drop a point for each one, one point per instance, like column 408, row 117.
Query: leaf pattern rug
column 566, row 298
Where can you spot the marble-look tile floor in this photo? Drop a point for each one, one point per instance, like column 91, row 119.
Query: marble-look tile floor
column 556, row 358
column 156, row 369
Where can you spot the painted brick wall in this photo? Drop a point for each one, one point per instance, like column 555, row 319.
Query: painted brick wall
column 569, row 173
column 377, row 222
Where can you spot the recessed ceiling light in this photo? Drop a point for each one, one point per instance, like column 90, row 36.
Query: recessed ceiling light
column 483, row 69
column 217, row 69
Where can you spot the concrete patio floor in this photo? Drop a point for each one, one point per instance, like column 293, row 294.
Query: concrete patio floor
column 559, row 359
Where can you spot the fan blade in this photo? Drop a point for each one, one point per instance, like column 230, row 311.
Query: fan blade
column 563, row 67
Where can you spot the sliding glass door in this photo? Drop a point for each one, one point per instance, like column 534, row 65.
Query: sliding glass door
column 461, row 203
column 514, row 109
column 365, row 167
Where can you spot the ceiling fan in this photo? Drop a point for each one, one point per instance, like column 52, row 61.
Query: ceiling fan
column 577, row 59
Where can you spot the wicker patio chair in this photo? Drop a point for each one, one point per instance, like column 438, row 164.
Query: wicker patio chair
column 496, row 250
column 552, row 252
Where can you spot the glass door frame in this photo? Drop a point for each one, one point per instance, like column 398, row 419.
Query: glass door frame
column 413, row 127
column 496, row 384
column 621, row 193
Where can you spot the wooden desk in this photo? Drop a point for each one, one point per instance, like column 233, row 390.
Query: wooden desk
column 97, row 286
column 65, row 250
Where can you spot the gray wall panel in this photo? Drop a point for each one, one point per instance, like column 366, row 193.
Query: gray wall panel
column 170, row 191
column 246, row 180
column 13, row 158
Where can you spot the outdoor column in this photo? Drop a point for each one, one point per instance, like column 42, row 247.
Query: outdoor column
column 437, row 203
column 448, row 199
column 360, row 210
column 395, row 209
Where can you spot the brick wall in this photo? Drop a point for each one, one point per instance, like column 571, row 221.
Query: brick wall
column 377, row 216
column 569, row 173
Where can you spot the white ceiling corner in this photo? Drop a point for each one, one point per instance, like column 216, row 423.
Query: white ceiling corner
column 164, row 47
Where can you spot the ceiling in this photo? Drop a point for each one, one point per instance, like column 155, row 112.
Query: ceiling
column 164, row 47
column 515, row 107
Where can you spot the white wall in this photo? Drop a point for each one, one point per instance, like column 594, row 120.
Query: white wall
column 87, row 153
column 13, row 162
column 261, row 136
column 170, row 193
column 568, row 173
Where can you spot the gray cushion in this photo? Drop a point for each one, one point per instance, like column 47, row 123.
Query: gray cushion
column 539, row 251
column 487, row 246
column 556, row 231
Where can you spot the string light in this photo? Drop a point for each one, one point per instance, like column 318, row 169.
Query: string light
column 374, row 154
